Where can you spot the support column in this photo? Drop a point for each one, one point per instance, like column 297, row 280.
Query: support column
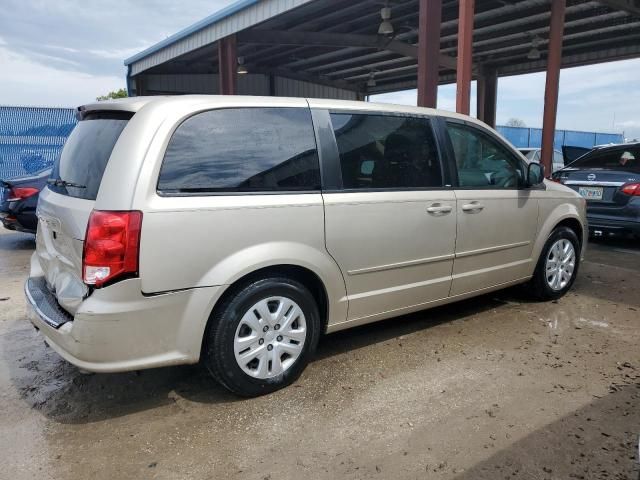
column 487, row 96
column 465, row 56
column 131, row 84
column 272, row 86
column 140, row 86
column 228, row 65
column 554, row 61
column 481, row 87
column 429, row 52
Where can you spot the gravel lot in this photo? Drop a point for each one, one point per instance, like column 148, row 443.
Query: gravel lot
column 494, row 387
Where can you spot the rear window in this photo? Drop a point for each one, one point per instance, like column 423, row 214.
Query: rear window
column 242, row 150
column 85, row 155
column 626, row 159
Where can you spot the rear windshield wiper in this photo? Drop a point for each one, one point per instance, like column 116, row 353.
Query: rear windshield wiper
column 58, row 182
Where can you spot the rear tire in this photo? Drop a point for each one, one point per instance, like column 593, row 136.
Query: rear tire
column 262, row 337
column 560, row 255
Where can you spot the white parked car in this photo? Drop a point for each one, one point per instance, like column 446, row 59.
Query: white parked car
column 533, row 155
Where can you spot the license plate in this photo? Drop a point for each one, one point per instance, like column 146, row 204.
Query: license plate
column 591, row 193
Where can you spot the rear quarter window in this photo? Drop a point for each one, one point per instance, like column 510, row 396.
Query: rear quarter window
column 85, row 155
column 242, row 150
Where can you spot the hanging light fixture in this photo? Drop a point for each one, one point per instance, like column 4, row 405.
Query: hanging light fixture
column 534, row 53
column 371, row 81
column 386, row 27
column 242, row 69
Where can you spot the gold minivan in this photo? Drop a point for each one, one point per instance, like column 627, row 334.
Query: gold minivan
column 238, row 230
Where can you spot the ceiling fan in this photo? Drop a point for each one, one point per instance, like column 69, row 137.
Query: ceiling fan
column 386, row 27
column 534, row 53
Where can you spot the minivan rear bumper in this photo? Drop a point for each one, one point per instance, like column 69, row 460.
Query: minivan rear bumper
column 119, row 329
column 44, row 303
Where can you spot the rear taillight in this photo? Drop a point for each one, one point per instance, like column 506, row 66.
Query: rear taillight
column 111, row 246
column 632, row 189
column 20, row 193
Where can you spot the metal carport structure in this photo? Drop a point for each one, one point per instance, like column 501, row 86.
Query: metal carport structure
column 332, row 48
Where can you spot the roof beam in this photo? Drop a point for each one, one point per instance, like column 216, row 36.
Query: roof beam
column 283, row 72
column 308, row 39
column 340, row 20
column 405, row 83
column 505, row 47
column 337, row 40
column 486, row 17
column 629, row 6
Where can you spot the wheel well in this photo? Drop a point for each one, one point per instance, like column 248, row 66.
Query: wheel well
column 303, row 275
column 574, row 225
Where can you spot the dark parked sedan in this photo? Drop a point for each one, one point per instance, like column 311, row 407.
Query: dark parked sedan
column 609, row 178
column 19, row 199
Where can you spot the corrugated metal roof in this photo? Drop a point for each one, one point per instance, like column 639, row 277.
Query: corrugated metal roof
column 232, row 19
column 205, row 22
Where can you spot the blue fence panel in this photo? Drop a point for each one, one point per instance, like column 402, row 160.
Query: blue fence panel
column 580, row 139
column 523, row 137
column 558, row 139
column 535, row 137
column 518, row 136
column 31, row 138
column 604, row 138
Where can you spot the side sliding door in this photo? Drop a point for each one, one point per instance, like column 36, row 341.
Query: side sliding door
column 390, row 220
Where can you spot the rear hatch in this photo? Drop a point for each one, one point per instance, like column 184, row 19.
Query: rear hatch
column 66, row 203
column 572, row 153
column 599, row 175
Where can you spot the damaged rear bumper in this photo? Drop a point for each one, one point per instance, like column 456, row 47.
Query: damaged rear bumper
column 120, row 329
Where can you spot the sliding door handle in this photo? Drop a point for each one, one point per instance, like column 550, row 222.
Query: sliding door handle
column 438, row 208
column 472, row 207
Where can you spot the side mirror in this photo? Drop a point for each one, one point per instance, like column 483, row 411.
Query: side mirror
column 535, row 174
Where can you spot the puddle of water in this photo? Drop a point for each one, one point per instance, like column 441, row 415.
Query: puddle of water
column 593, row 323
column 559, row 321
column 624, row 250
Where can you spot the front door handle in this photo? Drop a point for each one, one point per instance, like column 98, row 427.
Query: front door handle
column 472, row 207
column 438, row 208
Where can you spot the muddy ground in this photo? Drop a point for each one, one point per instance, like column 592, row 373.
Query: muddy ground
column 495, row 387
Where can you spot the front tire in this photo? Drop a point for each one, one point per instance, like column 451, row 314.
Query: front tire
column 262, row 337
column 557, row 266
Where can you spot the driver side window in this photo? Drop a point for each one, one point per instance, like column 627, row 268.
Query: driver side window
column 481, row 161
